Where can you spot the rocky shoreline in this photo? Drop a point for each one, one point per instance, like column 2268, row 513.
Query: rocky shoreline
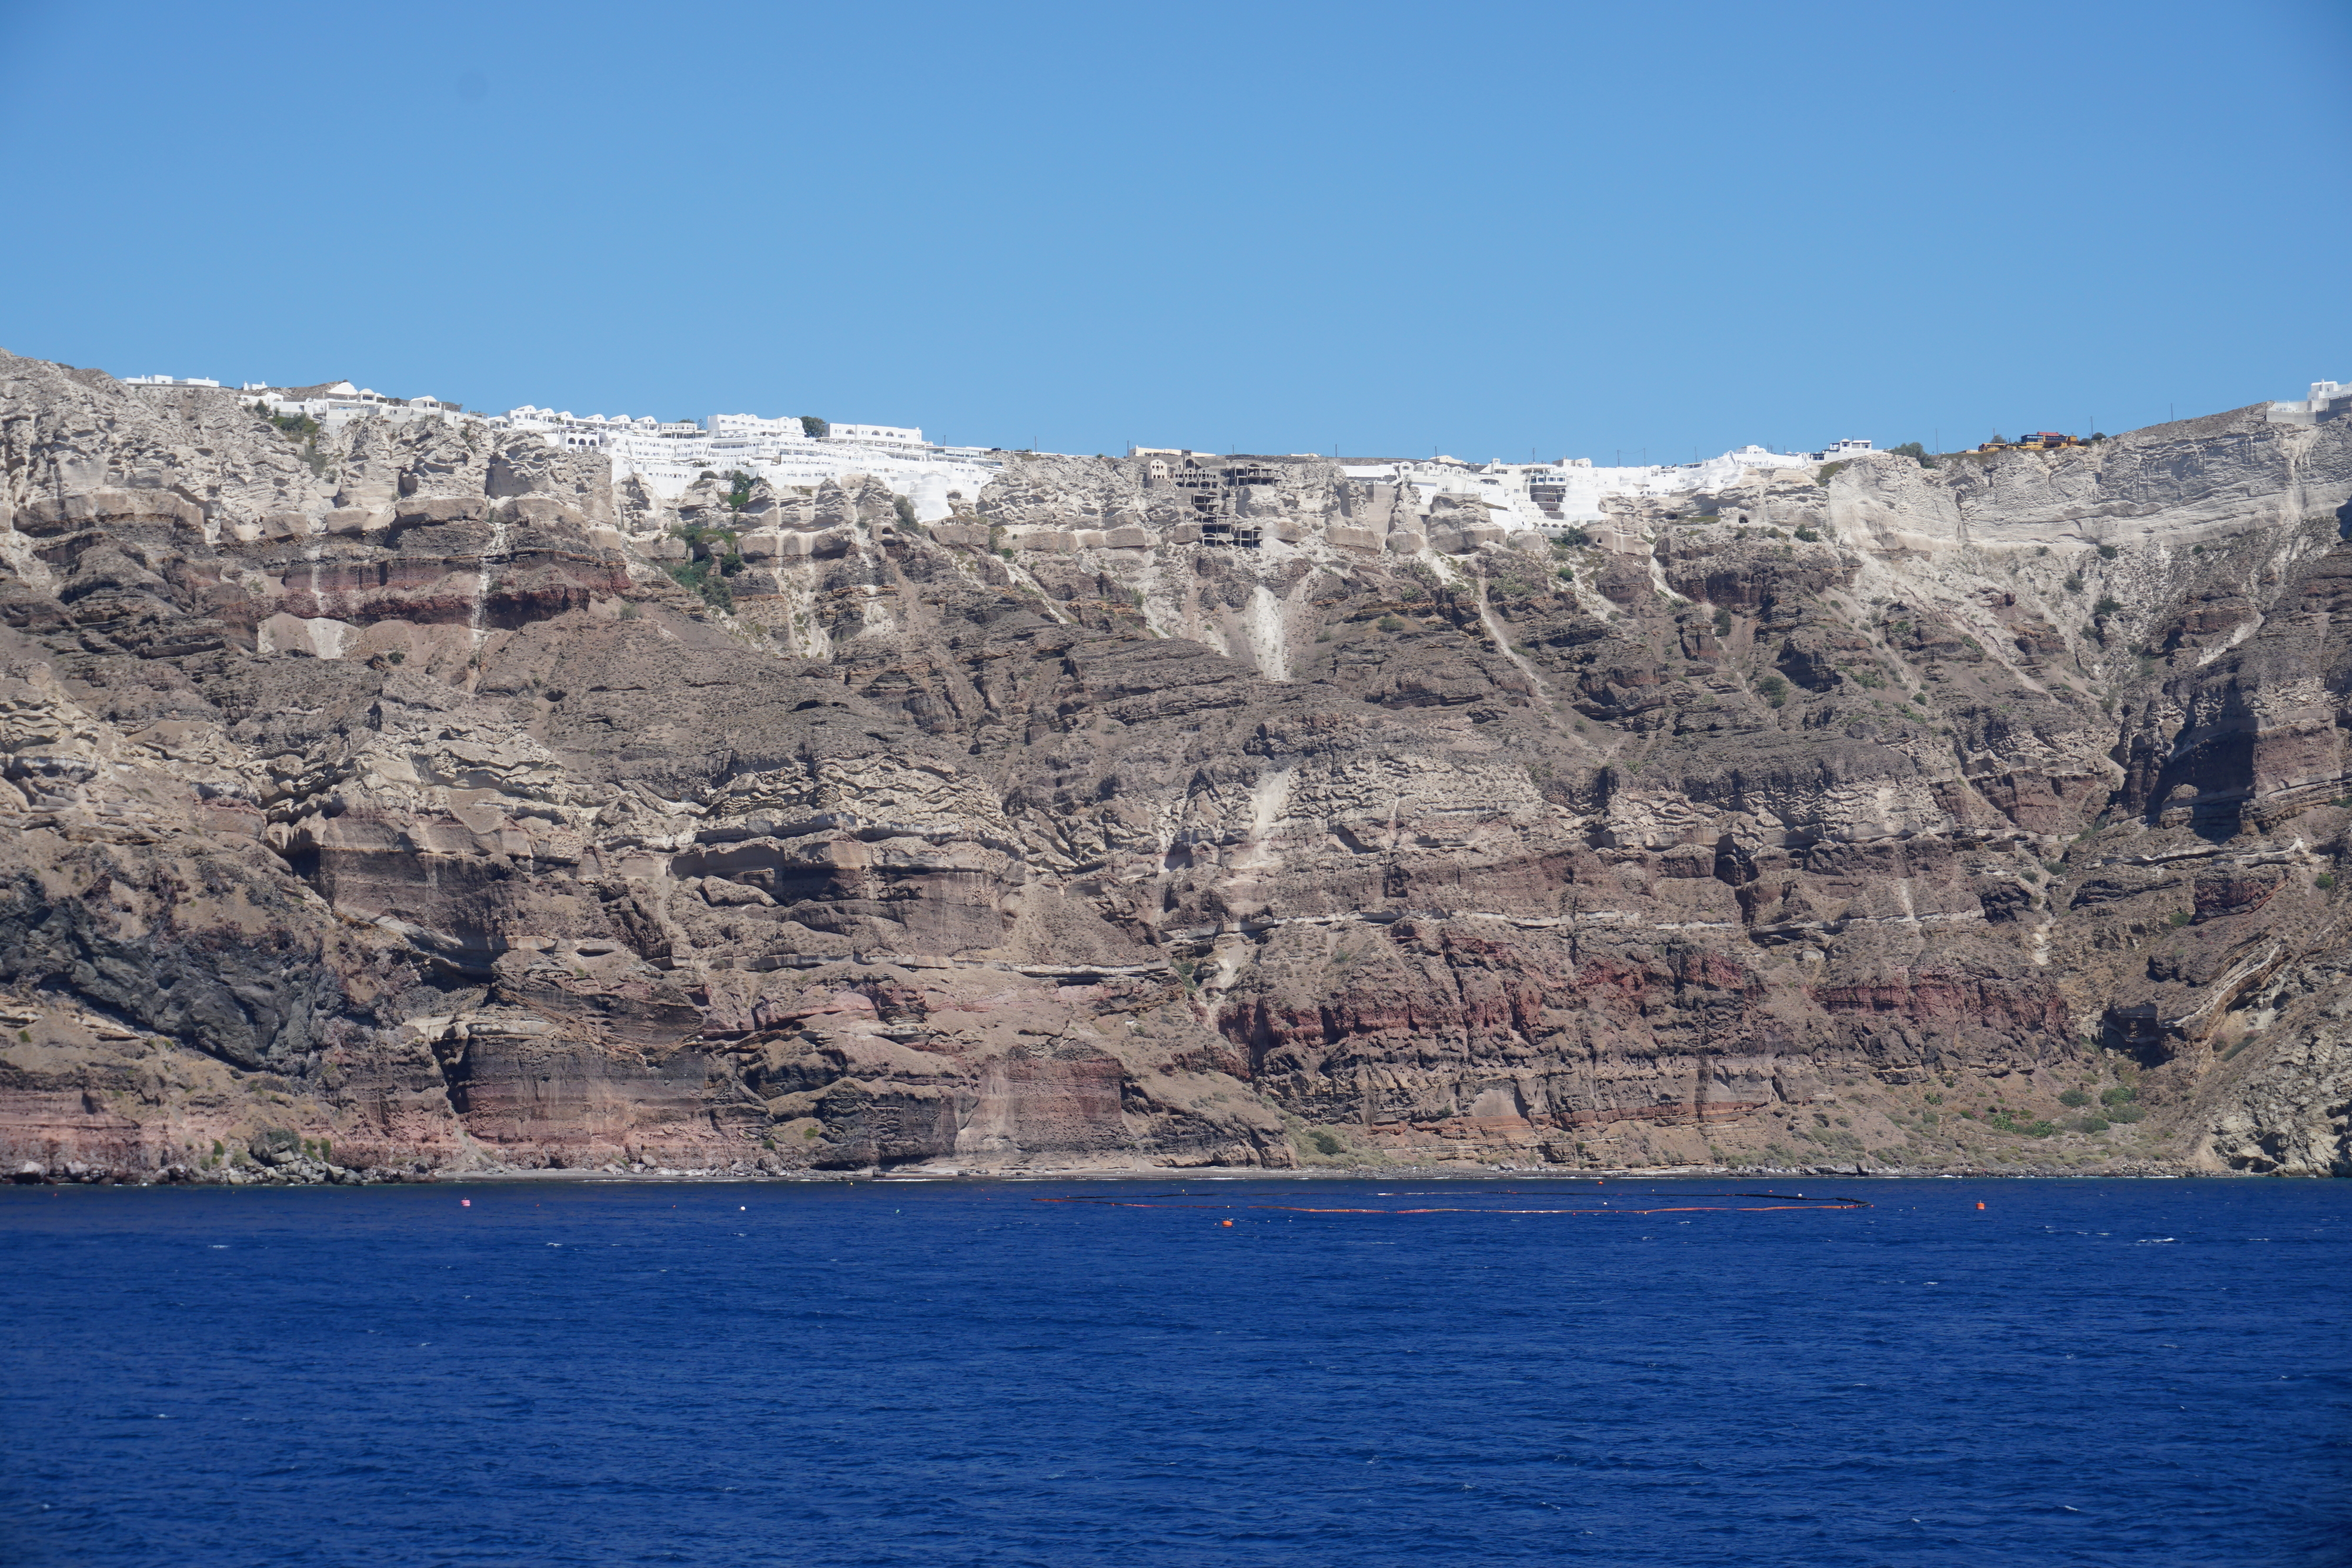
column 304, row 1172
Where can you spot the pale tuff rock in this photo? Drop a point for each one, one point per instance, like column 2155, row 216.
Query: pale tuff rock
column 385, row 802
column 2180, row 483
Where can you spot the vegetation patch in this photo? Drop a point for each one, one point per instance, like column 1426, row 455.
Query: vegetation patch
column 711, row 585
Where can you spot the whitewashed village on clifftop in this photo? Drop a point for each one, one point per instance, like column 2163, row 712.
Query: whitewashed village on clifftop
column 803, row 451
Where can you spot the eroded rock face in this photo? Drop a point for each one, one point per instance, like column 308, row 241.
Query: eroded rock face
column 381, row 804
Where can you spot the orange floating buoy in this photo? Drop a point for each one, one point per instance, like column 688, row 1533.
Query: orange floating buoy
column 1979, row 1205
column 1226, row 1223
column 464, row 1203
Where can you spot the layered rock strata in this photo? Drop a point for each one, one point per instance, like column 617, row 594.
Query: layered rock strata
column 390, row 803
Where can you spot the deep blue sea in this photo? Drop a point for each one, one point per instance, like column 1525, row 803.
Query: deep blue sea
column 2082, row 1372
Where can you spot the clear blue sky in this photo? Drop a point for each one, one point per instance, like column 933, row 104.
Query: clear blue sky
column 1565, row 228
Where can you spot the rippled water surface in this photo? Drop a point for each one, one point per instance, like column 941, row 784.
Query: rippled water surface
column 2083, row 1372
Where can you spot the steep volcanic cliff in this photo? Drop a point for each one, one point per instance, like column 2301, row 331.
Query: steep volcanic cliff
column 381, row 805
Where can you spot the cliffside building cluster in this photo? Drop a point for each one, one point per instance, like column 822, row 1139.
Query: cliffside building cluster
column 667, row 457
column 336, row 403
column 1552, row 497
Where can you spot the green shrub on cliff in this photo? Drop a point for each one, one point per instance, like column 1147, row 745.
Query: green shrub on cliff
column 1773, row 690
column 711, row 585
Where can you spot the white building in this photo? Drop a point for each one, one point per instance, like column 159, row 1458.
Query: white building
column 740, row 426
column 669, row 457
column 884, row 436
column 2328, row 399
column 337, row 405
column 169, row 381
column 1553, row 497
